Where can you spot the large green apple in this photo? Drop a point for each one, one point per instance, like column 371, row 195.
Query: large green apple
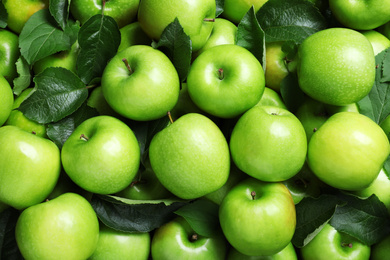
column 190, row 157
column 258, row 218
column 102, row 155
column 123, row 11
column 9, row 54
column 196, row 18
column 276, row 68
column 235, row 10
column 226, row 80
column 269, row 143
column 62, row 228
column 144, row 90
column 177, row 240
column 271, row 98
column 361, row 14
column 380, row 251
column 336, row 66
column 348, row 151
column 116, row 245
column 6, row 100
column 29, row 167
column 287, row 253
column 378, row 41
column 132, row 34
column 332, row 244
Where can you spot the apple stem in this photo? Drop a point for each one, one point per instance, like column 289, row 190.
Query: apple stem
column 103, row 6
column 83, row 137
column 221, row 74
column 253, row 194
column 34, row 133
column 209, row 19
column 127, row 65
column 315, row 129
column 170, row 117
column 194, row 237
column 347, row 244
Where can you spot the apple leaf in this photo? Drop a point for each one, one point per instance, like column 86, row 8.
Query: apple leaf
column 99, row 39
column 59, row 9
column 176, row 44
column 291, row 93
column 376, row 105
column 220, row 6
column 57, row 94
column 23, row 80
column 3, row 16
column 251, row 36
column 312, row 214
column 284, row 20
column 386, row 167
column 59, row 131
column 365, row 219
column 8, row 246
column 134, row 215
column 40, row 37
column 202, row 215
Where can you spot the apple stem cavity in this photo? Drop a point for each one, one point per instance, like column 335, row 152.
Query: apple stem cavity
column 253, row 194
column 83, row 137
column 346, row 245
column 127, row 65
column 221, row 74
column 209, row 20
column 194, row 237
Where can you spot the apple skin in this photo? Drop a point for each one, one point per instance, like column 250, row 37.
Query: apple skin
column 336, row 66
column 231, row 92
column 276, row 65
column 173, row 241
column 262, row 225
column 190, row 157
column 29, row 167
column 355, row 155
column 361, row 14
column 268, row 143
column 114, row 244
column 378, row 41
column 63, row 228
column 271, row 98
column 106, row 160
column 380, row 251
column 155, row 15
column 331, row 244
column 235, row 10
column 6, row 100
column 123, row 11
column 132, row 34
column 9, row 54
column 287, row 253
column 149, row 92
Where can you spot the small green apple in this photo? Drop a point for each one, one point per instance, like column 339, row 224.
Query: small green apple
column 226, row 80
column 271, row 98
column 114, row 244
column 258, row 218
column 62, row 228
column 268, row 143
column 332, row 244
column 287, row 253
column 348, row 151
column 275, row 66
column 190, row 157
column 132, row 34
column 380, row 251
column 6, row 100
column 97, row 100
column 9, row 54
column 336, row 66
column 378, row 41
column 235, row 10
column 141, row 83
column 29, row 167
column 102, row 155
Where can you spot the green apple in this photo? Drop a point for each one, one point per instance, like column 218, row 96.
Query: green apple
column 114, row 244
column 123, row 11
column 269, row 143
column 97, row 100
column 385, row 125
column 336, row 66
column 196, row 18
column 6, row 100
column 361, row 14
column 271, row 98
column 385, row 30
column 19, row 11
column 141, row 83
column 378, row 41
column 177, row 240
column 226, row 80
column 17, row 118
column 102, row 155
column 332, row 244
column 235, row 10
column 190, row 157
column 380, row 251
column 287, row 253
column 348, row 151
column 275, row 66
column 332, row 109
column 63, row 228
column 132, row 34
column 29, row 167
column 9, row 54
column 258, row 218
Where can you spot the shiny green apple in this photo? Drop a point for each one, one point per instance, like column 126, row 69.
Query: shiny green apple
column 271, row 98
column 9, row 54
column 132, row 34
column 6, row 100
column 378, row 41
column 235, row 10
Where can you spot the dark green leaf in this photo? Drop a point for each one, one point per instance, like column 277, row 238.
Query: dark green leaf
column 386, row 66
column 365, row 219
column 8, row 247
column 290, row 48
column 176, row 44
column 23, row 80
column 99, row 39
column 284, row 20
column 386, row 167
column 251, row 36
column 202, row 215
column 57, row 94
column 40, row 37
column 220, row 6
column 60, row 131
column 312, row 215
column 376, row 105
column 291, row 93
column 3, row 16
column 59, row 9
column 132, row 215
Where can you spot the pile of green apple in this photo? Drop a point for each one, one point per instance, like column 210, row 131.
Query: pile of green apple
column 208, row 129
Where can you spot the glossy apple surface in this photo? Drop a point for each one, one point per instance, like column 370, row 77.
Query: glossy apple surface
column 9, row 54
column 6, row 100
column 271, row 98
column 132, row 34
column 276, row 65
column 287, row 253
column 378, row 41
column 235, row 10
column 380, row 251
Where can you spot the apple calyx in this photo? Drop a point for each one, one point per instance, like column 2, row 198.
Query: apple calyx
column 209, row 19
column 127, row 65
column 221, row 75
column 253, row 194
column 84, row 137
column 194, row 237
column 346, row 245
